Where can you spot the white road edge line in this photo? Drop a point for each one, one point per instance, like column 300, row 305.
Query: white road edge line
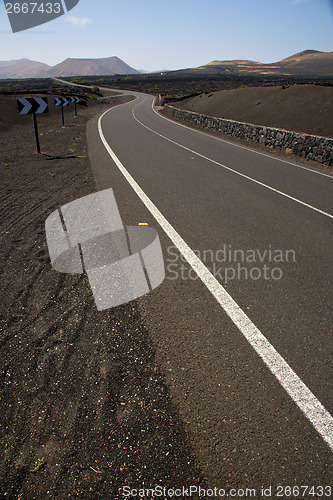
column 205, row 133
column 306, row 401
column 240, row 146
column 232, row 170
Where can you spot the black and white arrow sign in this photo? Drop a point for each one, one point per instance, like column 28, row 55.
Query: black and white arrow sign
column 61, row 101
column 29, row 105
column 74, row 99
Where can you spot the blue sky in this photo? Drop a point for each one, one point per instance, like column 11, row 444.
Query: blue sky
column 173, row 34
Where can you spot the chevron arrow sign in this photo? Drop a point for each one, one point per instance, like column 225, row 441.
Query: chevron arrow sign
column 74, row 99
column 29, row 105
column 61, row 101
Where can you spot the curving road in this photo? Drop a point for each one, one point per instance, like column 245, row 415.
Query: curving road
column 247, row 345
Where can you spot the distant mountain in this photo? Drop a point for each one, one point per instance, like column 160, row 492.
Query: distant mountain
column 306, row 63
column 310, row 61
column 4, row 63
column 85, row 67
column 24, row 68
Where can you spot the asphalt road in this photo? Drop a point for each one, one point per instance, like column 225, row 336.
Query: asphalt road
column 251, row 375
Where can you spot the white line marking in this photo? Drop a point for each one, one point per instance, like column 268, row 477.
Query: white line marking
column 306, row 401
column 212, row 136
column 232, row 170
column 239, row 145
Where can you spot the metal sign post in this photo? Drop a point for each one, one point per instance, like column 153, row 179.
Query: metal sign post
column 61, row 101
column 74, row 100
column 33, row 105
column 34, row 119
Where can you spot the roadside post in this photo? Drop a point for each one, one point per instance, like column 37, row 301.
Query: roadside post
column 34, row 120
column 61, row 101
column 33, row 105
column 74, row 100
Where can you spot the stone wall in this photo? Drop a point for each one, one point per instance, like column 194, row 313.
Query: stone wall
column 311, row 147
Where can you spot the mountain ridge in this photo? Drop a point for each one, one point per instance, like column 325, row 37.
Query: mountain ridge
column 25, row 68
column 308, row 62
column 22, row 68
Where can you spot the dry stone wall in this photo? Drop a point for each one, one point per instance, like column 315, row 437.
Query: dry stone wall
column 311, row 147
